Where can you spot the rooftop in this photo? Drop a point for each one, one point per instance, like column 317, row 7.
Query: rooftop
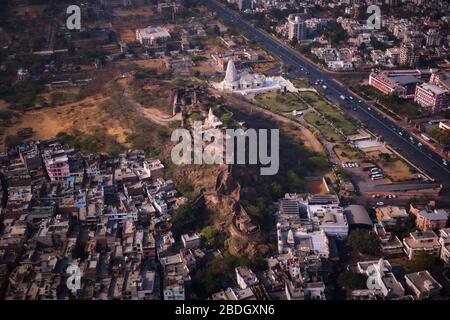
column 423, row 281
column 433, row 88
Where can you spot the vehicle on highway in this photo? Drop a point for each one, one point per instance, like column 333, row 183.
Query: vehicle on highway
column 425, row 137
column 420, row 156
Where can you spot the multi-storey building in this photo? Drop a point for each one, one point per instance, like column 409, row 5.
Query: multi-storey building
column 444, row 240
column 381, row 278
column 428, row 218
column 432, row 97
column 422, row 284
column 401, row 83
column 152, row 36
column 391, row 215
column 433, row 38
column 57, row 165
column 409, row 55
column 296, row 27
column 421, row 241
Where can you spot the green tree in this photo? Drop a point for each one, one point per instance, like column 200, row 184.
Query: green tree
column 385, row 157
column 113, row 148
column 183, row 218
column 423, row 261
column 351, row 281
column 364, row 241
column 276, row 189
column 294, row 42
column 295, row 182
column 210, row 234
column 226, row 118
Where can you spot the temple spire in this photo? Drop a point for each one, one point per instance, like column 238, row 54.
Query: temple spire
column 231, row 74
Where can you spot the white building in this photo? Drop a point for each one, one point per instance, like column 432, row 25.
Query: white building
column 296, row 27
column 245, row 277
column 295, row 239
column 422, row 241
column 251, row 83
column 213, row 121
column 330, row 218
column 444, row 240
column 294, row 290
column 381, row 278
column 152, row 36
column 191, row 241
column 174, row 292
column 423, row 284
column 234, row 294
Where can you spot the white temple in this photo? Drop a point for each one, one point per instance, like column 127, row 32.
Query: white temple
column 213, row 121
column 251, row 83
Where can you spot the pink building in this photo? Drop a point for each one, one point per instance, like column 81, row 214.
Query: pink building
column 429, row 218
column 432, row 97
column 57, row 166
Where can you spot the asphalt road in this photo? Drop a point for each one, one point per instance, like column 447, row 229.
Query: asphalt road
column 422, row 156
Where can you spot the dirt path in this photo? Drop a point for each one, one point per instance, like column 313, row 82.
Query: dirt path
column 305, row 135
column 153, row 117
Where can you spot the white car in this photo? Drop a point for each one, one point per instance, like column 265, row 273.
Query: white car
column 380, row 203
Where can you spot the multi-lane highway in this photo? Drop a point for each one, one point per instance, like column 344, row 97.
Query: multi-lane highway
column 422, row 156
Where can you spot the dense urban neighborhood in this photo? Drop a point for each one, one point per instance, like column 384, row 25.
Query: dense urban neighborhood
column 95, row 206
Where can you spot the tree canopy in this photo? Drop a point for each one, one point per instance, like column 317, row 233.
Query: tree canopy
column 363, row 241
column 350, row 280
